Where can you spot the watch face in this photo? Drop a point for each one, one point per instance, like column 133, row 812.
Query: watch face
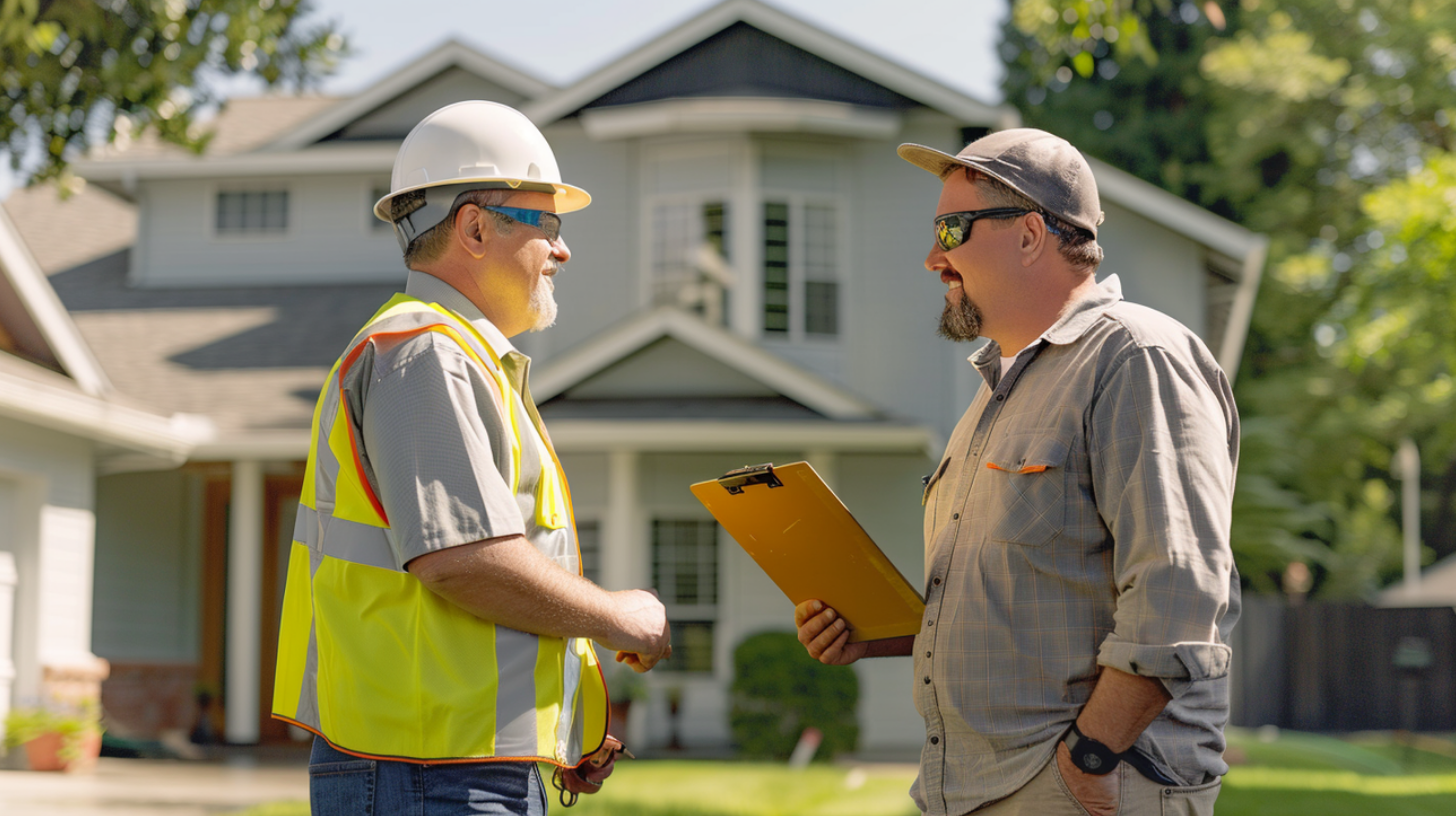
column 1091, row 756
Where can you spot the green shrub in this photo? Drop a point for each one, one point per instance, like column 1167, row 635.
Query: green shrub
column 25, row 724
column 779, row 690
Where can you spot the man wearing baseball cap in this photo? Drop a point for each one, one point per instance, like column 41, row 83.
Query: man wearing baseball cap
column 1080, row 589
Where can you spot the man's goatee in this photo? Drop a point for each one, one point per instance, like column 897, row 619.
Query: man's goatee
column 961, row 320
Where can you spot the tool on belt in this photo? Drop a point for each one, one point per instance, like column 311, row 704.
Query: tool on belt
column 591, row 773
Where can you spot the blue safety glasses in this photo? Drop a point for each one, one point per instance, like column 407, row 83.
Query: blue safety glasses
column 548, row 222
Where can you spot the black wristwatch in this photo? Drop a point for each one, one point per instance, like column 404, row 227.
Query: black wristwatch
column 1089, row 755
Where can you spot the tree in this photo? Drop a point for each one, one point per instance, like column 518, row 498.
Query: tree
column 75, row 73
column 1312, row 121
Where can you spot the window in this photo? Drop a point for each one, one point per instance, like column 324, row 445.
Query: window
column 376, row 225
column 252, row 212
column 800, row 269
column 685, row 574
column 589, row 539
column 690, row 257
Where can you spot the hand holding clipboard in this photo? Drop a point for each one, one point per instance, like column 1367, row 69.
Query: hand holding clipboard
column 802, row 535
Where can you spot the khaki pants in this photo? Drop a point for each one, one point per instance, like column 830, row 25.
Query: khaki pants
column 1047, row 795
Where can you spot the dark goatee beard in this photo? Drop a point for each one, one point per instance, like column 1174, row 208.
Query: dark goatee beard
column 960, row 321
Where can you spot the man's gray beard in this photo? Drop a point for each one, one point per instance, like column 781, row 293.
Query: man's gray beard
column 961, row 320
column 543, row 303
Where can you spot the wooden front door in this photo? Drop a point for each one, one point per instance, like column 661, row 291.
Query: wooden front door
column 280, row 508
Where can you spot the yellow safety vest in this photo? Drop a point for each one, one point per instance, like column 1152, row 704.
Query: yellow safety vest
column 376, row 663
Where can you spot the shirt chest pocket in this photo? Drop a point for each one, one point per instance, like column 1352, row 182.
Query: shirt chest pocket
column 1027, row 477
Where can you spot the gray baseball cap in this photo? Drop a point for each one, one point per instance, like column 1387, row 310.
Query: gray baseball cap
column 1040, row 166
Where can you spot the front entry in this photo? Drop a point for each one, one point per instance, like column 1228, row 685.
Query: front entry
column 280, row 508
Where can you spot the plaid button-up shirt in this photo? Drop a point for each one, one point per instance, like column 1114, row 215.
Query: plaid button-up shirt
column 1079, row 519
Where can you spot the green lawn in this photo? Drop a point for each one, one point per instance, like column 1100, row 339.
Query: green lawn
column 1280, row 776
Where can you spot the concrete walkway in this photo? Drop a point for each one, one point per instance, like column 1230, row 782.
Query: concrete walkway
column 150, row 787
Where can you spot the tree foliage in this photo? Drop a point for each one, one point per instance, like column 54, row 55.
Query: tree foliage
column 1325, row 124
column 75, row 73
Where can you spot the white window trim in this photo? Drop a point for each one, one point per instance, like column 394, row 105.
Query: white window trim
column 250, row 186
column 722, row 657
column 739, row 194
column 842, row 201
column 797, row 201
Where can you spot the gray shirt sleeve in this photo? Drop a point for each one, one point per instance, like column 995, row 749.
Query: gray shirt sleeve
column 435, row 448
column 1162, row 470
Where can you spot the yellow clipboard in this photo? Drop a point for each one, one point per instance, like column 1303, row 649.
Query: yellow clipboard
column 803, row 536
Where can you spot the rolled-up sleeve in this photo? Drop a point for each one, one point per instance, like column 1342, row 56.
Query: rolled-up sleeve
column 1164, row 450
column 436, row 449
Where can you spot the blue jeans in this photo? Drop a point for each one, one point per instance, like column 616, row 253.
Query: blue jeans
column 343, row 785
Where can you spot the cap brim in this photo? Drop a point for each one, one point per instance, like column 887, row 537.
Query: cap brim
column 935, row 161
column 568, row 198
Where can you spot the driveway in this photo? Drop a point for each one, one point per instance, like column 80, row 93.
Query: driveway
column 138, row 787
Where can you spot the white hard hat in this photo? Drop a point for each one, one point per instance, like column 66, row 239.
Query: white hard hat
column 471, row 145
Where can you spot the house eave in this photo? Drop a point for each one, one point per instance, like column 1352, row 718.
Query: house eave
column 334, row 159
column 740, row 115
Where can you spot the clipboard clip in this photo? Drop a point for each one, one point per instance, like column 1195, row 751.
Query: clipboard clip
column 735, row 480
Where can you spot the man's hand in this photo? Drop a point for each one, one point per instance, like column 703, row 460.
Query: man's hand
column 826, row 635
column 643, row 637
column 1098, row 794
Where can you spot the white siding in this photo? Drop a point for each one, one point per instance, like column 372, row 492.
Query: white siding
column 1157, row 268
column 45, row 522
column 330, row 236
column 147, row 568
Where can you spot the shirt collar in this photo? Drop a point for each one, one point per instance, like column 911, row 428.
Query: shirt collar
column 1069, row 328
column 431, row 289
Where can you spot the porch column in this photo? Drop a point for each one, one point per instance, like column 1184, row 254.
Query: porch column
column 245, row 593
column 825, row 463
column 624, row 548
column 9, row 576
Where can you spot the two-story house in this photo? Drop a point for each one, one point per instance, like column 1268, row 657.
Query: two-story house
column 746, row 287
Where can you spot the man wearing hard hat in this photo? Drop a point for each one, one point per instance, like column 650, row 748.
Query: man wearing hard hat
column 437, row 633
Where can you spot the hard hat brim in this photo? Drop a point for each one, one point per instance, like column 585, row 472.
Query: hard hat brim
column 568, row 198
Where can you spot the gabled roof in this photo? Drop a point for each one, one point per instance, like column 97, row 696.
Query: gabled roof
column 750, row 363
column 796, row 32
column 58, row 338
column 453, row 54
column 79, row 398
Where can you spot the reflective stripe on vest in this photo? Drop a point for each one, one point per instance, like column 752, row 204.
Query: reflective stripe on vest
column 379, row 665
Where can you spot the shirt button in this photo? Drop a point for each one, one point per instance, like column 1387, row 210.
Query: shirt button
column 936, row 581
column 955, row 516
column 935, row 740
column 1000, row 397
column 927, row 654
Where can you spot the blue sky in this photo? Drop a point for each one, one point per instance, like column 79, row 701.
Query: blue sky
column 952, row 41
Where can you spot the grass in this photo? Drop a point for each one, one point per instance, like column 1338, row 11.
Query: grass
column 1274, row 775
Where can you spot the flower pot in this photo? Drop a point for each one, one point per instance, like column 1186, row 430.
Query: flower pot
column 44, row 752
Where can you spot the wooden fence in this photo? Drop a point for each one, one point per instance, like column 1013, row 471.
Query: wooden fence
column 1339, row 667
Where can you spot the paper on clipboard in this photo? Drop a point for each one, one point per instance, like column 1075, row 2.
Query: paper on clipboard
column 803, row 536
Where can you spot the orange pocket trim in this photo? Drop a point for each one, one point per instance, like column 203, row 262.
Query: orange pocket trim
column 1027, row 469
